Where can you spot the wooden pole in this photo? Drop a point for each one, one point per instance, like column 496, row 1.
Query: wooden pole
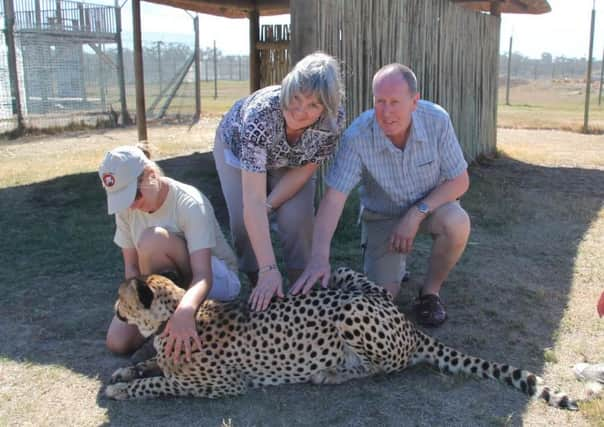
column 305, row 33
column 126, row 120
column 254, row 54
column 197, row 70
column 601, row 79
column 507, row 80
column 588, row 77
column 141, row 117
column 215, row 73
column 496, row 8
column 159, row 70
column 102, row 84
column 9, row 25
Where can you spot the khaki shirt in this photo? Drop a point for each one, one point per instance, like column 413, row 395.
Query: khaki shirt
column 187, row 213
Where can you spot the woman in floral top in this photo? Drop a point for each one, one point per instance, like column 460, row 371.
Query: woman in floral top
column 267, row 149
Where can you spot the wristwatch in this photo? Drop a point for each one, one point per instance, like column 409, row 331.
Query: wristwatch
column 423, row 208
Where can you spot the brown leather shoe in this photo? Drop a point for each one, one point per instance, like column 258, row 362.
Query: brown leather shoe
column 429, row 310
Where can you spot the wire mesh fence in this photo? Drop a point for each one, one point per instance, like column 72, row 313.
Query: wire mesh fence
column 69, row 66
column 63, row 64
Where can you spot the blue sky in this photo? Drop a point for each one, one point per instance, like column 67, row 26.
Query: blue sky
column 564, row 31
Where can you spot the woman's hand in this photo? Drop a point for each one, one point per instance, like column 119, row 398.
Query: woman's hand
column 181, row 333
column 269, row 284
column 316, row 270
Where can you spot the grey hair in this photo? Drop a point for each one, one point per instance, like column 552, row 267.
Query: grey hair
column 317, row 74
column 405, row 72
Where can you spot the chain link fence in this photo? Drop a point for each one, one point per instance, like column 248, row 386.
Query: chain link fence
column 64, row 64
column 68, row 69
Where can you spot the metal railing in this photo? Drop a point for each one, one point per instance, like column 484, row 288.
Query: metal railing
column 64, row 16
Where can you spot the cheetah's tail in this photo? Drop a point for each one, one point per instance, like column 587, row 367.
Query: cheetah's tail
column 447, row 359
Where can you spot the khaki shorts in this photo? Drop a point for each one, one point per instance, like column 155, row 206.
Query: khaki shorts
column 379, row 263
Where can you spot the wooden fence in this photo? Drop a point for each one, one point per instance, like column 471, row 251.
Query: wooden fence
column 273, row 49
column 453, row 51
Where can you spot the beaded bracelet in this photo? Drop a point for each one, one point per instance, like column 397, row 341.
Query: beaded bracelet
column 267, row 268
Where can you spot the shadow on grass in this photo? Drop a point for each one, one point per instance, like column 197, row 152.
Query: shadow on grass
column 505, row 298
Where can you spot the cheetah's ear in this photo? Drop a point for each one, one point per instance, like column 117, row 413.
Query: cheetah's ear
column 145, row 294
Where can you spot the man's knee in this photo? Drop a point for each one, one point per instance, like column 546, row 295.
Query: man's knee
column 454, row 222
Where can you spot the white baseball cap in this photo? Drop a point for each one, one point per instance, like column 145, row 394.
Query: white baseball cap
column 119, row 174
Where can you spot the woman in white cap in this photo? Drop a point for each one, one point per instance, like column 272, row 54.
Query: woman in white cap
column 165, row 226
column 267, row 150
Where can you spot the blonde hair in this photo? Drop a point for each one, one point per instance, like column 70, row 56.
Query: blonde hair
column 317, row 74
column 150, row 165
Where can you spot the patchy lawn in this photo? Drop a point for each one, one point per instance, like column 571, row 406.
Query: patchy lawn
column 524, row 292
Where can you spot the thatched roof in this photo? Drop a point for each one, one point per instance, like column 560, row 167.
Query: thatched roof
column 508, row 6
column 241, row 8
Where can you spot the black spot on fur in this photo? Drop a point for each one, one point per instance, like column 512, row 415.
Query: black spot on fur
column 532, row 383
column 145, row 295
column 523, row 386
column 517, row 374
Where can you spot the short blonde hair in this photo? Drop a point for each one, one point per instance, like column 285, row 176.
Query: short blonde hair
column 317, row 74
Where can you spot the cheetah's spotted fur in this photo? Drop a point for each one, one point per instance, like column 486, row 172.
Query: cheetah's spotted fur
column 349, row 331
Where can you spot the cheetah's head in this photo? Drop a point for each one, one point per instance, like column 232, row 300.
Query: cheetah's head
column 147, row 302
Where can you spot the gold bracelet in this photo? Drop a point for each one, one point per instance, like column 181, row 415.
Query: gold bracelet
column 267, row 268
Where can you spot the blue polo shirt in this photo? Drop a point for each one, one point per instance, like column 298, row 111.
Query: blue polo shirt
column 392, row 180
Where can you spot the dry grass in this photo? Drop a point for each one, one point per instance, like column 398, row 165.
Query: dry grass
column 38, row 158
column 523, row 293
column 545, row 104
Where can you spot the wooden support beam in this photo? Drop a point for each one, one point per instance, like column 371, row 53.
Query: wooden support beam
column 496, row 7
column 254, row 54
column 126, row 120
column 197, row 70
column 141, row 116
column 304, row 28
column 9, row 31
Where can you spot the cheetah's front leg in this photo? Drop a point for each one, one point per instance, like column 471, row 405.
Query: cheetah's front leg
column 145, row 388
column 219, row 384
column 148, row 368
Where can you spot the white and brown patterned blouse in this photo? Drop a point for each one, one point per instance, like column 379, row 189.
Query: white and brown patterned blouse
column 254, row 131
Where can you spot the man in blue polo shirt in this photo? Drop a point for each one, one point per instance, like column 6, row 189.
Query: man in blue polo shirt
column 406, row 156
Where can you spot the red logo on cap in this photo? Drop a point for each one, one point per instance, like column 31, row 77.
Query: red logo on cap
column 108, row 180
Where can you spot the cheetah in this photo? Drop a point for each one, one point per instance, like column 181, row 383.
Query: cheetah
column 350, row 330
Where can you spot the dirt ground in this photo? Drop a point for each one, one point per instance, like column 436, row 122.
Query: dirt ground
column 524, row 293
